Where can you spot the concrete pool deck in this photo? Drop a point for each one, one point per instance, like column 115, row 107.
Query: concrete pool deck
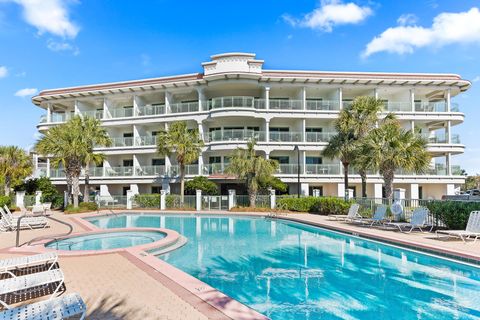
column 120, row 285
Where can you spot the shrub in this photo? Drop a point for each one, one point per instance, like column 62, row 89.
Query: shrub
column 147, row 200
column 316, row 205
column 5, row 200
column 82, row 207
column 208, row 187
column 454, row 214
column 49, row 191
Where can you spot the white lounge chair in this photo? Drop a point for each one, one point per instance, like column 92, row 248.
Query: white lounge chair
column 8, row 265
column 63, row 307
column 351, row 215
column 38, row 210
column 472, row 230
column 418, row 221
column 47, row 207
column 26, row 222
column 23, row 285
column 33, row 219
column 379, row 217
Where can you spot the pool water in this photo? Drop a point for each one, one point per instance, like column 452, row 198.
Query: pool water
column 108, row 240
column 288, row 270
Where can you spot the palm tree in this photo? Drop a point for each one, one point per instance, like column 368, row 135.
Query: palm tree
column 71, row 146
column 361, row 118
column 252, row 168
column 15, row 165
column 94, row 135
column 389, row 148
column 185, row 143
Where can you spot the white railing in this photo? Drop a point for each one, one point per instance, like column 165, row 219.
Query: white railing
column 158, row 170
column 320, row 169
column 96, row 114
column 319, row 136
column 232, row 102
column 281, row 104
column 151, row 110
column 395, row 106
column 146, row 141
column 118, row 171
column 121, row 112
column 322, row 105
column 213, row 168
column 235, row 135
column 286, row 136
column 184, row 107
column 122, row 141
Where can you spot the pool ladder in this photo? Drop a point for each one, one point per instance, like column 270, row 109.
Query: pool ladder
column 54, row 236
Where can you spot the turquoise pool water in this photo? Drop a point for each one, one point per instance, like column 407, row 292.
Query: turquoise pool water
column 109, row 240
column 293, row 271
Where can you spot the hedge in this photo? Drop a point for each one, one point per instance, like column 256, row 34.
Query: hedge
column 454, row 214
column 147, row 200
column 82, row 207
column 315, row 205
column 5, row 200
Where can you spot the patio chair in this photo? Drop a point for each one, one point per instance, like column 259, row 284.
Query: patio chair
column 38, row 219
column 47, row 207
column 11, row 264
column 472, row 230
column 25, row 223
column 379, row 217
column 59, row 308
column 418, row 221
column 351, row 215
column 30, row 284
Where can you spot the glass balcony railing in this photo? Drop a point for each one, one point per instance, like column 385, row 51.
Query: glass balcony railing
column 394, row 106
column 151, row 110
column 122, row 142
column 61, row 116
column 214, row 168
column 150, row 170
column 146, row 141
column 190, row 169
column 319, row 136
column 320, row 169
column 43, row 118
column 440, row 106
column 118, row 171
column 235, row 135
column 287, row 168
column 96, row 114
column 322, row 105
column 121, row 112
column 284, row 104
column 232, row 102
column 184, row 107
column 286, row 136
column 442, row 138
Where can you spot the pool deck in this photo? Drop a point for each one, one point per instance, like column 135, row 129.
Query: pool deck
column 129, row 285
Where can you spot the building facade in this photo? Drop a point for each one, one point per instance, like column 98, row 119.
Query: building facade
column 290, row 114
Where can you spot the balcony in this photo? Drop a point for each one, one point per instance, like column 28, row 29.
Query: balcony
column 442, row 138
column 393, row 106
column 121, row 112
column 323, row 169
column 440, row 106
column 190, row 169
column 96, row 114
column 325, row 105
column 146, row 141
column 286, row 136
column 319, row 136
column 235, row 135
column 151, row 110
column 118, row 142
column 284, row 104
column 118, row 171
column 150, row 170
column 184, row 107
column 286, row 168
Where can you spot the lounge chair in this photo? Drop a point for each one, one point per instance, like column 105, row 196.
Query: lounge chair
column 38, row 210
column 11, row 264
column 47, row 207
column 418, row 221
column 379, row 217
column 63, row 307
column 26, row 223
column 351, row 215
column 472, row 229
column 31, row 283
column 30, row 218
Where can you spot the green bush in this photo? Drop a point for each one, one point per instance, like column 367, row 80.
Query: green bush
column 315, row 205
column 454, row 214
column 82, row 207
column 147, row 200
column 208, row 187
column 49, row 191
column 5, row 200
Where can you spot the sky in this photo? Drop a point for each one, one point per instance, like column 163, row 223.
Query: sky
column 59, row 43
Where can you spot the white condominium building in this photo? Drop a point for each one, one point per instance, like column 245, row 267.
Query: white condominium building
column 291, row 114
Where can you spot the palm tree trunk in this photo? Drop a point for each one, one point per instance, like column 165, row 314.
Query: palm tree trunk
column 69, row 188
column 345, row 179
column 363, row 176
column 182, row 183
column 7, row 186
column 86, row 192
column 75, row 190
column 388, row 177
column 252, row 197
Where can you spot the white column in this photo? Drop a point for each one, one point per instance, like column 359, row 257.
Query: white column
column 202, row 105
column 198, row 200
column 449, row 96
column 450, row 189
column 130, row 199
column 104, row 190
column 304, row 188
column 303, row 159
column 412, row 126
column 448, row 163
column 449, row 132
column 134, row 189
column 163, row 195
column 49, row 113
column 231, row 198
column 273, row 200
column 414, row 191
column 267, row 155
column 267, row 130
column 340, row 98
column 136, row 105
column 200, row 130
column 200, row 164
column 341, row 190
column 76, row 108
column 166, row 185
column 412, row 99
column 304, row 98
column 48, row 167
column 19, row 198
column 267, row 98
column 304, row 128
column 375, row 93
column 377, row 191
column 105, row 109
column 168, row 101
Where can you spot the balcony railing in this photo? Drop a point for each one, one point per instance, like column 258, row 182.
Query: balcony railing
column 151, row 110
column 118, row 171
column 394, row 106
column 232, row 102
column 190, row 169
column 281, row 104
column 235, row 135
column 287, row 168
column 150, row 170
column 146, row 141
column 286, row 136
column 96, row 114
column 320, row 169
column 319, row 136
column 322, row 105
column 442, row 138
column 184, row 107
column 214, row 168
column 60, row 117
column 440, row 106
column 122, row 142
column 121, row 112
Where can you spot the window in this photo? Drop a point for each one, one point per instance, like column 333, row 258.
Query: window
column 155, row 133
column 158, row 162
column 281, row 159
column 313, row 160
column 156, row 189
column 128, row 135
column 313, row 129
column 128, row 163
column 226, row 159
column 128, row 110
column 125, row 189
column 233, row 128
column 311, row 188
column 216, row 159
column 253, row 128
column 279, row 129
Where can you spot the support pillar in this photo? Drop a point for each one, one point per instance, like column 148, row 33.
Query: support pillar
column 19, row 198
column 340, row 98
column 304, row 98
column 163, row 195
column 38, row 197
column 48, row 167
column 273, row 199
column 448, row 130
column 267, row 130
column 202, row 105
column 198, row 200
column 448, row 98
column 378, row 192
column 341, row 190
column 130, row 195
column 304, row 189
column 448, row 164
column 49, row 113
column 267, row 98
column 450, row 189
column 168, row 101
column 231, row 198
column 412, row 99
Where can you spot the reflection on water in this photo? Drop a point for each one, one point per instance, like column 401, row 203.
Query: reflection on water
column 291, row 271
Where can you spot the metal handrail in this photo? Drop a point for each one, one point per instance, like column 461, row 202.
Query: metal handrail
column 54, row 236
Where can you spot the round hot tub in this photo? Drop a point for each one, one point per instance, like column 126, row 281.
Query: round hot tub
column 106, row 240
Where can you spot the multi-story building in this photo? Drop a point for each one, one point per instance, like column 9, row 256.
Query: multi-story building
column 289, row 113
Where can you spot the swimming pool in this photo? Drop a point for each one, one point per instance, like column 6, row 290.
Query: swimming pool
column 288, row 270
column 107, row 240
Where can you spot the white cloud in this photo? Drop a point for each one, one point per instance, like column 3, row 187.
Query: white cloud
column 331, row 13
column 50, row 16
column 26, row 92
column 447, row 28
column 407, row 19
column 476, row 79
column 3, row 71
column 62, row 46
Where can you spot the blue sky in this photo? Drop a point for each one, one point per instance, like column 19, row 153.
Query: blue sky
column 59, row 43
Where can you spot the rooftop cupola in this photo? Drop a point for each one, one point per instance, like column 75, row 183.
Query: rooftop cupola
column 232, row 62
